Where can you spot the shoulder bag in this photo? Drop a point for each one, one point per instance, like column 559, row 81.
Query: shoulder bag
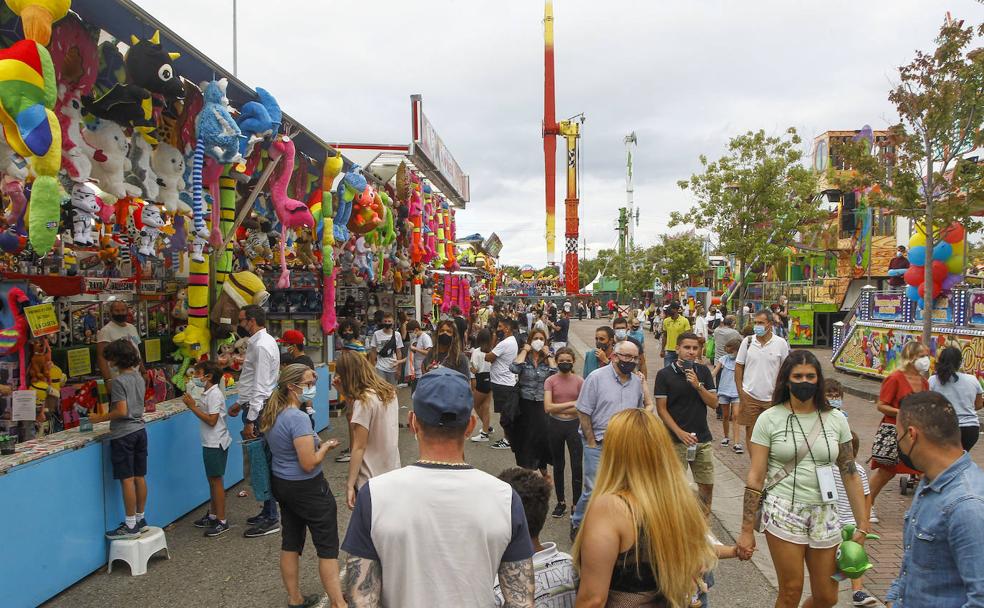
column 785, row 471
column 885, row 447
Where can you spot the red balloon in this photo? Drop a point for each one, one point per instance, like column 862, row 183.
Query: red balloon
column 954, row 233
column 715, row 300
column 939, row 271
column 937, row 289
column 915, row 275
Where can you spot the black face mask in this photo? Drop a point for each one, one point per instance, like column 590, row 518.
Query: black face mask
column 565, row 367
column 905, row 458
column 500, row 334
column 121, row 319
column 348, row 335
column 601, row 345
column 243, row 332
column 387, row 325
column 804, row 391
column 626, row 367
column 444, row 340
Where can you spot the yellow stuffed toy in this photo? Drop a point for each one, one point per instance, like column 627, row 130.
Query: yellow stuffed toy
column 38, row 15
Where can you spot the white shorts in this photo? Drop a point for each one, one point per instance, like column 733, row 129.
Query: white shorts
column 817, row 526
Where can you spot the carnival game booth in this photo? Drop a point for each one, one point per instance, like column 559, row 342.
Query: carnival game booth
column 124, row 178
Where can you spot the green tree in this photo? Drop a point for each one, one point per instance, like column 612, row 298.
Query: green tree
column 681, row 256
column 940, row 102
column 754, row 198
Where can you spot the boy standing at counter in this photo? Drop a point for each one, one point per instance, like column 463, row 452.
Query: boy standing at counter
column 128, row 437
column 211, row 411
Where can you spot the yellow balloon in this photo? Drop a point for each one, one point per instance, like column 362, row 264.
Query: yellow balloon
column 958, row 249
column 918, row 239
column 955, row 264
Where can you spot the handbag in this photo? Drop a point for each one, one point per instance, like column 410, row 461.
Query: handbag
column 784, row 472
column 885, row 448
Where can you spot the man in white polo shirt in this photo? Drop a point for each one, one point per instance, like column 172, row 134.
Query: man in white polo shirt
column 436, row 532
column 757, row 366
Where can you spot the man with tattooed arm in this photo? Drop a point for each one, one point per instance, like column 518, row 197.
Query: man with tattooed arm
column 436, row 532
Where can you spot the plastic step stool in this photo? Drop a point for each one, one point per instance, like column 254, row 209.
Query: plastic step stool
column 137, row 551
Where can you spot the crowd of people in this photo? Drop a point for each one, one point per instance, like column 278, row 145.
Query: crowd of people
column 640, row 533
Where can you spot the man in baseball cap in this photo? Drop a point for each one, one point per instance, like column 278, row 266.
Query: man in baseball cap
column 409, row 523
column 293, row 349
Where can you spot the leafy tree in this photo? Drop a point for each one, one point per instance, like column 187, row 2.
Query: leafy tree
column 754, row 198
column 680, row 256
column 940, row 102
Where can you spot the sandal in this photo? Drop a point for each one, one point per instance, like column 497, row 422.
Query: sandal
column 309, row 600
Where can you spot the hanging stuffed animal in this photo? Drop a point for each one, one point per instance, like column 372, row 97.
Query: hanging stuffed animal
column 147, row 220
column 169, row 166
column 240, row 289
column 256, row 245
column 13, row 338
column 216, row 126
column 257, row 120
column 415, row 212
column 76, row 61
column 332, row 168
column 141, row 179
column 192, row 343
column 110, row 147
column 292, row 213
column 304, row 245
column 38, row 15
column 85, row 207
column 352, row 184
column 367, row 211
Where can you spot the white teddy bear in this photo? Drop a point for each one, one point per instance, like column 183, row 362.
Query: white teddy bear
column 109, row 161
column 169, row 165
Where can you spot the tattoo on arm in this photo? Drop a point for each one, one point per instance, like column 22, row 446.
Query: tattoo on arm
column 516, row 583
column 749, row 506
column 845, row 459
column 364, row 582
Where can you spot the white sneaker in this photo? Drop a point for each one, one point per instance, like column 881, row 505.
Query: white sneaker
column 874, row 516
column 738, row 448
column 725, row 441
column 481, row 437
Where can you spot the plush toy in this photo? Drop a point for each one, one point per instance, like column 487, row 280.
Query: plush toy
column 85, row 207
column 215, row 125
column 851, row 557
column 169, row 166
column 329, row 321
column 239, row 289
column 304, row 246
column 149, row 72
column 38, row 15
column 110, row 147
column 349, row 187
column 192, row 343
column 76, row 61
column 76, row 152
column 141, row 178
column 226, row 352
column 13, row 338
column 256, row 245
column 366, row 211
column 292, row 213
column 257, row 121
column 180, row 309
column 147, row 220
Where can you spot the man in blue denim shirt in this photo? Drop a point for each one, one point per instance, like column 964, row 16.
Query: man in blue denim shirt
column 943, row 563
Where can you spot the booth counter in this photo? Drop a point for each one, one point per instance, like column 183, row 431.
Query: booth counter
column 58, row 496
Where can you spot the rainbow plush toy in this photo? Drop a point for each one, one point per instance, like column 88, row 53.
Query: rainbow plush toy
column 38, row 15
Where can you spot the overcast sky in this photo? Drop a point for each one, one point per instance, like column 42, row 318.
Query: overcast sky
column 685, row 76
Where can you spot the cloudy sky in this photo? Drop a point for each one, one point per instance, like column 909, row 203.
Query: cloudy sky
column 685, row 76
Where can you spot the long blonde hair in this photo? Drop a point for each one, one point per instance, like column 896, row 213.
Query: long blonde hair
column 639, row 464
column 292, row 374
column 356, row 378
column 909, row 354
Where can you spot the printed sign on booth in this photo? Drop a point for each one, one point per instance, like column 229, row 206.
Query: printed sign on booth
column 42, row 319
column 887, row 307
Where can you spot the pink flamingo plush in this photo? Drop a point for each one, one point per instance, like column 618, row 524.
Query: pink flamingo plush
column 13, row 339
column 292, row 213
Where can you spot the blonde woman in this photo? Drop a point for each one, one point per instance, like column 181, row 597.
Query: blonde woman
column 644, row 538
column 375, row 421
column 299, row 485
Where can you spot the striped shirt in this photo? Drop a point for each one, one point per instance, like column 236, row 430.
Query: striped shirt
column 844, row 511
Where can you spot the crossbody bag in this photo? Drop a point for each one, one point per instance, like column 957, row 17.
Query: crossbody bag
column 784, row 472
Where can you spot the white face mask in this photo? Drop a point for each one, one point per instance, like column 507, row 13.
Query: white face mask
column 537, row 345
column 921, row 364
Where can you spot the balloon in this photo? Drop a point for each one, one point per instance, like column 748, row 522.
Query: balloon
column 937, row 288
column 915, row 275
column 958, row 249
column 955, row 264
column 954, row 233
column 920, row 303
column 715, row 301
column 939, row 272
column 918, row 239
column 950, row 281
column 942, row 251
column 917, row 255
column 912, row 292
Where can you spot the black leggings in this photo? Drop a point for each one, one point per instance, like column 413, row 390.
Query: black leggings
column 562, row 432
column 533, row 451
column 969, row 436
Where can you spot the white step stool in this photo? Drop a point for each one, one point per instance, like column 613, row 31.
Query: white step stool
column 138, row 551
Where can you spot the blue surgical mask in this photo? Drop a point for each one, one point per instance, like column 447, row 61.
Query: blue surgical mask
column 759, row 330
column 309, row 393
column 198, row 382
column 837, row 403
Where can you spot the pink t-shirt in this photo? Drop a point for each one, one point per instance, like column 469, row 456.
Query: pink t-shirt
column 382, row 448
column 564, row 389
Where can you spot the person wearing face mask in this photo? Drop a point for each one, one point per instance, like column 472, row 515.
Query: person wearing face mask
column 601, row 354
column 942, row 536
column 299, row 485
column 607, row 391
column 560, row 393
column 756, row 365
column 505, row 393
column 257, row 381
column 673, row 325
column 293, row 351
column 909, row 377
column 898, row 263
column 621, row 328
column 385, row 347
column 210, row 409
column 534, row 363
column 795, row 447
column 963, row 391
column 420, row 347
column 117, row 328
column 447, row 353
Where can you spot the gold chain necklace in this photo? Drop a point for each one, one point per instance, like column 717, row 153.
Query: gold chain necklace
column 442, row 463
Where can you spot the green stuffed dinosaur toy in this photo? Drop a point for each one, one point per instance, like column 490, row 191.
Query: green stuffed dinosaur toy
column 852, row 559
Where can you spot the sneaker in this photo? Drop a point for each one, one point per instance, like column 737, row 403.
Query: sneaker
column 206, row 521
column 502, row 444
column 123, row 532
column 738, row 448
column 345, row 456
column 253, row 521
column 481, row 437
column 573, row 532
column 725, row 441
column 402, row 385
column 216, row 529
column 262, row 529
column 874, row 517
column 142, row 524
column 560, row 510
column 861, row 598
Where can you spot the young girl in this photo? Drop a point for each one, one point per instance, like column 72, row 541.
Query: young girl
column 210, row 408
column 560, row 393
column 482, row 384
column 728, row 395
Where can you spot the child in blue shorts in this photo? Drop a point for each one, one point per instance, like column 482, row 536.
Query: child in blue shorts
column 210, row 408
